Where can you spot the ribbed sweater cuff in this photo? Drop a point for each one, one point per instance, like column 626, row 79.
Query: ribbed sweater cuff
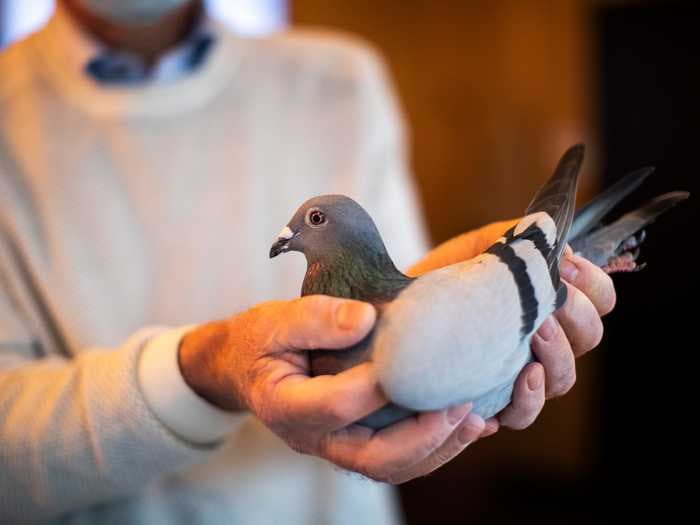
column 174, row 403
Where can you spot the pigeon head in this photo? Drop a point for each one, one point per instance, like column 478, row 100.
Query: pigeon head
column 326, row 226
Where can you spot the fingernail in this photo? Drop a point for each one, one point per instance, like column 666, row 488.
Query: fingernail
column 534, row 381
column 473, row 424
column 457, row 413
column 568, row 270
column 350, row 314
column 548, row 329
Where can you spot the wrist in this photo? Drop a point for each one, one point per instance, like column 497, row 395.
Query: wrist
column 205, row 367
column 172, row 400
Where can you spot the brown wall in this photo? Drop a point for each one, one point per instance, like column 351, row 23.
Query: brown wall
column 494, row 91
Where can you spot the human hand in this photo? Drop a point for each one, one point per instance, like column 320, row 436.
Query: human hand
column 572, row 331
column 257, row 360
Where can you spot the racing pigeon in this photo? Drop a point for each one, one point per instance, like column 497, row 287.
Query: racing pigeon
column 460, row 333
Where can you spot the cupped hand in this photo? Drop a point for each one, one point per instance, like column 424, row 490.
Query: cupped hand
column 257, row 360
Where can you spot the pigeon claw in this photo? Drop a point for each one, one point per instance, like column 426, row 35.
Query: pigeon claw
column 634, row 241
column 626, row 255
column 624, row 263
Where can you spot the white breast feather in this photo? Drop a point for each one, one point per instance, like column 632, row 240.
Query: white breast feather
column 450, row 335
column 455, row 333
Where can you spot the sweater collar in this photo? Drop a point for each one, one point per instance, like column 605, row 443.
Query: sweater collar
column 112, row 66
column 84, row 70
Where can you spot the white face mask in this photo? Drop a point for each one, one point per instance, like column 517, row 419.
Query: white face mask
column 132, row 11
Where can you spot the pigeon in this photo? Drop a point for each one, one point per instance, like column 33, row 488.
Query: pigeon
column 462, row 332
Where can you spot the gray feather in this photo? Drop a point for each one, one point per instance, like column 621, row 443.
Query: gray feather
column 557, row 198
column 589, row 217
column 604, row 243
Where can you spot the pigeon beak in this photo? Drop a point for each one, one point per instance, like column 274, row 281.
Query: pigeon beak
column 281, row 245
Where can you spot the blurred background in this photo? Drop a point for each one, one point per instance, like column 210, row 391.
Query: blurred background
column 493, row 92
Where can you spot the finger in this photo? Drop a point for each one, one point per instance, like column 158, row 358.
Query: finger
column 552, row 349
column 329, row 402
column 319, row 321
column 580, row 321
column 491, row 427
column 468, row 431
column 528, row 398
column 591, row 280
column 384, row 454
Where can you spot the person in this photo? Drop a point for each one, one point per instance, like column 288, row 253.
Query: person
column 147, row 158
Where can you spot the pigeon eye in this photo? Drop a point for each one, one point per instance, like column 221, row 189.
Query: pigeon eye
column 316, row 218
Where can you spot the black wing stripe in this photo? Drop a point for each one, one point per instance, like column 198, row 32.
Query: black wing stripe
column 535, row 234
column 538, row 237
column 526, row 292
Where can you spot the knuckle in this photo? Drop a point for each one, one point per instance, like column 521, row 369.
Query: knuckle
column 432, row 443
column 443, row 456
column 566, row 377
column 297, row 331
column 313, row 321
column 331, row 409
column 299, row 339
column 566, row 387
column 563, row 383
column 530, row 416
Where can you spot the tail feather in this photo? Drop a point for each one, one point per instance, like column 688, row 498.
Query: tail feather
column 612, row 247
column 603, row 244
column 591, row 214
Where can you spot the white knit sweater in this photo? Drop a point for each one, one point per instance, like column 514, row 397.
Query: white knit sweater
column 126, row 213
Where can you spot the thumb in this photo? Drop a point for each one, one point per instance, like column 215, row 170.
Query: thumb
column 320, row 321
